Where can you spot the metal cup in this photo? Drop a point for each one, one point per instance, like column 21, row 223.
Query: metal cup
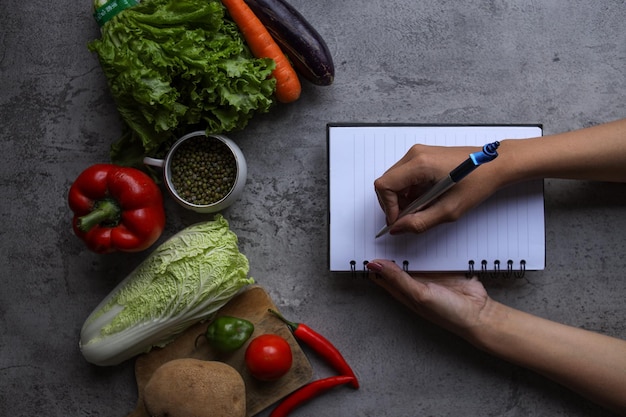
column 228, row 199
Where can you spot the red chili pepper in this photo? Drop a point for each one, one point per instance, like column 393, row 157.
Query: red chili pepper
column 116, row 209
column 322, row 346
column 308, row 392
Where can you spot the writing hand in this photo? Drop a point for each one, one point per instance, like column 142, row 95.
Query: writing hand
column 416, row 172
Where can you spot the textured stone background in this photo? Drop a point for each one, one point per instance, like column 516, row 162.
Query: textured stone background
column 556, row 62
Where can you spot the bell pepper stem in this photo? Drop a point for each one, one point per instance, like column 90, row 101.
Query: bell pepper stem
column 104, row 211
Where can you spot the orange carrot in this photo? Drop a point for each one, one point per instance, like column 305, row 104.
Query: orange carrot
column 262, row 45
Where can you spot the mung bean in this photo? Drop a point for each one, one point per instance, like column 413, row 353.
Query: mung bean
column 203, row 170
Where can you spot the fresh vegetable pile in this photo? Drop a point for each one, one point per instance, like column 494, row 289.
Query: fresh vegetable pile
column 213, row 64
column 171, row 64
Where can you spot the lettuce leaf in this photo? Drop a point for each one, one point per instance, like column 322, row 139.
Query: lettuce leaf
column 172, row 64
column 184, row 281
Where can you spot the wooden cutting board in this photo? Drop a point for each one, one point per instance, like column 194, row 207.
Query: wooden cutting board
column 252, row 304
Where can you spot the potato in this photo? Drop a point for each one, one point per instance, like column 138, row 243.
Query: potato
column 195, row 388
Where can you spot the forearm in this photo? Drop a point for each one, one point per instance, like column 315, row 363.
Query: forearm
column 595, row 153
column 589, row 363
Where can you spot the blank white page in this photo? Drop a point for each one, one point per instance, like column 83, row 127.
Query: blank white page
column 506, row 230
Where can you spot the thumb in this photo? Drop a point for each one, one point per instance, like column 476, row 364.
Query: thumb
column 387, row 269
column 417, row 223
column 423, row 220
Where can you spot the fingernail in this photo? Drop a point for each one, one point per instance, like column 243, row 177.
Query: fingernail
column 396, row 232
column 374, row 266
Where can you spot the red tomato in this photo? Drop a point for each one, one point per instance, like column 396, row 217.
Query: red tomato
column 268, row 357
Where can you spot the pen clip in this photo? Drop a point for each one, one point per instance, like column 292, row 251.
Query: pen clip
column 487, row 154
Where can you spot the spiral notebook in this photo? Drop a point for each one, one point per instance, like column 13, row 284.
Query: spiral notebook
column 506, row 233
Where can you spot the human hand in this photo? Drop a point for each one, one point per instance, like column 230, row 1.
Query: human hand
column 451, row 301
column 418, row 170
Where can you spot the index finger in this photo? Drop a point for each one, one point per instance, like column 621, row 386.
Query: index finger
column 394, row 185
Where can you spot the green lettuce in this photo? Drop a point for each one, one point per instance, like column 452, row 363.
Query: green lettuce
column 172, row 64
column 185, row 280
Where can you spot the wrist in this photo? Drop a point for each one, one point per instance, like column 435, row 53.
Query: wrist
column 487, row 335
column 512, row 334
column 516, row 162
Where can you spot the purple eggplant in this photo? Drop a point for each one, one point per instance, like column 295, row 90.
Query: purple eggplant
column 302, row 44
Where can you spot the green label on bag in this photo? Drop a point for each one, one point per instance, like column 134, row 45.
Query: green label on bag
column 106, row 12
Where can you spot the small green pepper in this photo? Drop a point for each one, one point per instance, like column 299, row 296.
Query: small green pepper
column 226, row 334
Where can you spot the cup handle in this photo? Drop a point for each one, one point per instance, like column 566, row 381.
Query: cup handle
column 154, row 162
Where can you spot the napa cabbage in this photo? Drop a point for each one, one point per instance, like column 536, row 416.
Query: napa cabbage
column 184, row 281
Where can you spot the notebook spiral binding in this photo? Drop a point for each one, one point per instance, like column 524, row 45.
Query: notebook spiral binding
column 496, row 270
column 485, row 271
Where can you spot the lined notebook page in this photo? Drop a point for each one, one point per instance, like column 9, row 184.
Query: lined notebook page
column 507, row 229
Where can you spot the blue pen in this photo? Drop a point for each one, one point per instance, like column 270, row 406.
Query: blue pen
column 488, row 153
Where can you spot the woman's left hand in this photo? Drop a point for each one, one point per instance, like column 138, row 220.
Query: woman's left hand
column 451, row 301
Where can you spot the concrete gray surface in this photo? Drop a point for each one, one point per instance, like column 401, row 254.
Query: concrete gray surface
column 556, row 62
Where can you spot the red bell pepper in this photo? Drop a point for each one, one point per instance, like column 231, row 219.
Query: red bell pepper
column 116, row 209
